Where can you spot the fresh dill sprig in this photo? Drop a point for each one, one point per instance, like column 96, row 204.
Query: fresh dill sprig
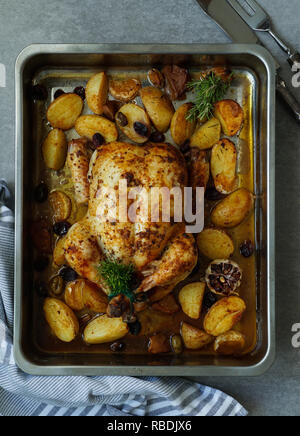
column 118, row 277
column 209, row 90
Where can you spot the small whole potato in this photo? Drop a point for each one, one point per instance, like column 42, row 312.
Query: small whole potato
column 191, row 299
column 61, row 319
column 64, row 111
column 134, row 122
column 224, row 315
column 55, row 149
column 89, row 125
column 233, row 210
column 82, row 294
column 97, row 92
column 158, row 106
column 61, row 205
column 181, row 128
column 124, row 90
column 206, row 135
column 104, row 329
column 231, row 116
column 215, row 244
column 223, row 166
column 193, row 338
column 230, row 343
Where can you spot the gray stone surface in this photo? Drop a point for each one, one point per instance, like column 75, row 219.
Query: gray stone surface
column 23, row 22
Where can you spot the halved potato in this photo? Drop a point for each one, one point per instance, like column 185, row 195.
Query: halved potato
column 230, row 343
column 54, row 149
column 64, row 111
column 96, row 92
column 223, row 166
column 181, row 128
column 234, row 209
column 88, row 125
column 193, row 338
column 206, row 135
column 215, row 244
column 224, row 315
column 167, row 305
column 104, row 329
column 159, row 107
column 82, row 294
column 134, row 122
column 61, row 205
column 59, row 252
column 231, row 116
column 61, row 319
column 124, row 90
column 191, row 299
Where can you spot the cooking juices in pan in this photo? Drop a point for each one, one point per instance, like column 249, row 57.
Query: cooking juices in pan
column 48, row 281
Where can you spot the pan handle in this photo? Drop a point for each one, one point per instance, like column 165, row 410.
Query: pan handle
column 288, row 97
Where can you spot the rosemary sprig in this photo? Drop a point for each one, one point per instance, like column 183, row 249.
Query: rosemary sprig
column 209, row 89
column 118, row 277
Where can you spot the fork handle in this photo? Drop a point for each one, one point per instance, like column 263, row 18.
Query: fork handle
column 293, row 55
column 288, row 97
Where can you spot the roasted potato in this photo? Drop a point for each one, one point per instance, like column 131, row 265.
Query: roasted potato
column 231, row 116
column 59, row 252
column 233, row 210
column 64, row 111
column 156, row 78
column 61, row 206
column 224, row 315
column 193, row 338
column 206, row 135
column 223, row 166
column 88, row 125
column 55, row 149
column 215, row 244
column 181, row 128
column 134, row 122
column 230, row 343
column 191, row 299
column 158, row 106
column 198, row 169
column 96, row 92
column 61, row 319
column 124, row 90
column 82, row 294
column 103, row 329
column 167, row 305
column 159, row 343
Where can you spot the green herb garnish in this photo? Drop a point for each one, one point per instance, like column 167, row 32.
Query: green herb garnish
column 118, row 277
column 209, row 89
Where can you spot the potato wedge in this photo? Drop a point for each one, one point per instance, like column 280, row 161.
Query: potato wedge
column 61, row 206
column 230, row 343
column 181, row 128
column 233, row 210
column 215, row 244
column 124, row 90
column 224, row 315
column 231, row 116
column 59, row 252
column 167, row 305
column 206, row 135
column 134, row 122
column 223, row 166
column 103, row 329
column 97, row 92
column 82, row 294
column 64, row 111
column 198, row 169
column 191, row 299
column 54, row 149
column 88, row 125
column 158, row 106
column 61, row 319
column 159, row 343
column 193, row 338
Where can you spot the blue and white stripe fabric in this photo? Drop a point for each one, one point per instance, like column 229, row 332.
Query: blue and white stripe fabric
column 24, row 395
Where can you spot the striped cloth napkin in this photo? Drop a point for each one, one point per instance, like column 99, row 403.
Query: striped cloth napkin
column 25, row 395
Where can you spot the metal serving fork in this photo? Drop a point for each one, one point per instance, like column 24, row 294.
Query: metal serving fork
column 254, row 15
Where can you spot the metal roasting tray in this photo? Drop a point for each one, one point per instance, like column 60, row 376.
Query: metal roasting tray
column 77, row 63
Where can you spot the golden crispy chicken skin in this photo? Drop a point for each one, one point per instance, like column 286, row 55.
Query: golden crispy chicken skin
column 160, row 250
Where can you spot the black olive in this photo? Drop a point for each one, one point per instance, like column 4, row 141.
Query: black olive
column 41, row 263
column 39, row 93
column 121, row 119
column 117, row 347
column 80, row 91
column 58, row 93
column 98, row 140
column 135, row 328
column 61, row 228
column 68, row 274
column 157, row 137
column 141, row 129
column 212, row 194
column 41, row 193
column 41, row 288
column 185, row 147
column 247, row 249
column 209, row 300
